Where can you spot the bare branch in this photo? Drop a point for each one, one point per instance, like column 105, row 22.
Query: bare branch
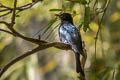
column 26, row 6
column 96, row 37
column 3, row 10
column 36, row 41
column 10, row 11
column 10, row 26
column 20, row 8
column 3, row 6
column 5, row 23
column 113, row 76
column 39, row 48
column 96, row 1
column 16, row 34
column 6, row 31
column 14, row 14
column 58, row 45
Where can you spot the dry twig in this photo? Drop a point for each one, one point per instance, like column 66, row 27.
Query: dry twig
column 19, row 9
column 100, row 23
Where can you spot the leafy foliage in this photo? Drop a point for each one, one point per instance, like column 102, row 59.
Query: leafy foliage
column 86, row 18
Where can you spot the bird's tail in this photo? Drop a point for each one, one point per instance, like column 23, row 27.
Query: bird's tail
column 78, row 64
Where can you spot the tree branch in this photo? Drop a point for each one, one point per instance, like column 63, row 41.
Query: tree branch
column 10, row 26
column 96, row 1
column 14, row 14
column 39, row 48
column 113, row 75
column 5, row 23
column 6, row 13
column 100, row 23
column 6, row 31
column 20, row 8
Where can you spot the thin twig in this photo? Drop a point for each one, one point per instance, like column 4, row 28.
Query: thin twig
column 6, row 31
column 96, row 1
column 113, row 76
column 10, row 26
column 5, row 23
column 3, row 6
column 14, row 14
column 6, row 14
column 20, row 8
column 16, row 34
column 102, row 46
column 96, row 37
column 3, row 10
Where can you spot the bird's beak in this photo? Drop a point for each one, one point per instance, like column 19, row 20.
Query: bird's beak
column 57, row 15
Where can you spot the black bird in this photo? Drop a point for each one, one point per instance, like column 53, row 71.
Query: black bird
column 69, row 34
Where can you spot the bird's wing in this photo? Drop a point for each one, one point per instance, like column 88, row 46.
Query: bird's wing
column 62, row 34
column 73, row 37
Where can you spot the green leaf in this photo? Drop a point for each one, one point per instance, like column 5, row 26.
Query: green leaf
column 55, row 10
column 80, row 25
column 78, row 1
column 86, row 18
column 83, row 2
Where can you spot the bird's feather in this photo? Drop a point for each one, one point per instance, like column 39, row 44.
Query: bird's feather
column 69, row 34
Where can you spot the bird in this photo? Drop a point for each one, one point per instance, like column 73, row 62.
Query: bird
column 69, row 34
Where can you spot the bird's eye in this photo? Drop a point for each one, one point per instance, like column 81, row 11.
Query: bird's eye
column 64, row 17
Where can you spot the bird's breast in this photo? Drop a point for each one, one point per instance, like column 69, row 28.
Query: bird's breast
column 62, row 30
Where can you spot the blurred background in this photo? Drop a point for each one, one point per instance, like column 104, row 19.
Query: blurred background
column 55, row 64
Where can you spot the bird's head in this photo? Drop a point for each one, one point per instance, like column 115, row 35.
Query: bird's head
column 65, row 17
